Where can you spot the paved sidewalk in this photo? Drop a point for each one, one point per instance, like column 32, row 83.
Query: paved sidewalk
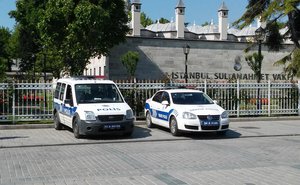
column 238, row 129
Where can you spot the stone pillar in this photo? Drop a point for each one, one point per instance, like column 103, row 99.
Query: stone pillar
column 180, row 11
column 223, row 21
column 136, row 17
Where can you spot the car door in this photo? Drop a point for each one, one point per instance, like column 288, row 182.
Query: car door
column 154, row 106
column 163, row 110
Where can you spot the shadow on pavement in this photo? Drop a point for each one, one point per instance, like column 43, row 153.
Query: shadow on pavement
column 138, row 132
column 12, row 137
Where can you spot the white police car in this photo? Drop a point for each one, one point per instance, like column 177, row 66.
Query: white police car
column 185, row 110
column 91, row 107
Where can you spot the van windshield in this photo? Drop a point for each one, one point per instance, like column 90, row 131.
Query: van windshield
column 97, row 93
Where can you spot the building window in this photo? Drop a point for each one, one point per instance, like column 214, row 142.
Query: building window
column 90, row 71
column 99, row 71
column 94, row 71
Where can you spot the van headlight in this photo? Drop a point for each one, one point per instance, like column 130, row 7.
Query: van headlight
column 129, row 114
column 188, row 115
column 90, row 116
column 224, row 115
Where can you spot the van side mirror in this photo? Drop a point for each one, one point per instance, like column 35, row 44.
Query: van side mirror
column 215, row 101
column 69, row 101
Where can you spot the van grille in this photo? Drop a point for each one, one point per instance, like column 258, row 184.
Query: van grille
column 106, row 118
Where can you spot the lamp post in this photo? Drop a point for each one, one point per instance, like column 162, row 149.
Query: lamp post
column 186, row 51
column 259, row 36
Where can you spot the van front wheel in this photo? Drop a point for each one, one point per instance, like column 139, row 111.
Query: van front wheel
column 57, row 123
column 76, row 128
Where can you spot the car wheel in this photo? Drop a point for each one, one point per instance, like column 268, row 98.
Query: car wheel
column 174, row 127
column 148, row 120
column 57, row 123
column 76, row 128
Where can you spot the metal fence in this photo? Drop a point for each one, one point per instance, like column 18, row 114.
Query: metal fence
column 34, row 101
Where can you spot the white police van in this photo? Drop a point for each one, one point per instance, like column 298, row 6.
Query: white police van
column 91, row 106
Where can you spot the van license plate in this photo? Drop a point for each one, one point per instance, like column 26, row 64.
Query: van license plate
column 112, row 127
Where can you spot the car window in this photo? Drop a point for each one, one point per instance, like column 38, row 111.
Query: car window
column 157, row 97
column 97, row 93
column 56, row 94
column 165, row 97
column 62, row 91
column 69, row 96
column 191, row 98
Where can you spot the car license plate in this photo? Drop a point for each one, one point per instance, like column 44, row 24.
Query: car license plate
column 210, row 123
column 112, row 127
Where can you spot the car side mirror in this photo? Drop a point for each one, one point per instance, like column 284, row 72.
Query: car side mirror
column 165, row 102
column 215, row 101
column 69, row 101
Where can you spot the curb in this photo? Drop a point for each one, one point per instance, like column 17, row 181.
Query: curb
column 142, row 122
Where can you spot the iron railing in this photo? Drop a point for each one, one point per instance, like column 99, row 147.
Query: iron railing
column 34, row 101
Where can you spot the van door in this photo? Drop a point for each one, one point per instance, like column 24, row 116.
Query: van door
column 68, row 106
column 59, row 101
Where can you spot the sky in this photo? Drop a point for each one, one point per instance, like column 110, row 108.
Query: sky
column 197, row 11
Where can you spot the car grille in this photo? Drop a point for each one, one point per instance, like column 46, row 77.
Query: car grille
column 106, row 118
column 204, row 117
column 212, row 118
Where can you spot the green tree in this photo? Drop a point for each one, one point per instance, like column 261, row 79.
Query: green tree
column 163, row 20
column 130, row 61
column 67, row 33
column 205, row 23
column 271, row 12
column 145, row 20
column 5, row 57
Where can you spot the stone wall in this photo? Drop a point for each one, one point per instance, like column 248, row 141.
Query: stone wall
column 207, row 59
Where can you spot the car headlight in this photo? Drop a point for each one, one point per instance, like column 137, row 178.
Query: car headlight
column 129, row 114
column 188, row 115
column 224, row 115
column 90, row 116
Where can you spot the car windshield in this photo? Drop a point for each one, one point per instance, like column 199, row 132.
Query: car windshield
column 191, row 98
column 97, row 93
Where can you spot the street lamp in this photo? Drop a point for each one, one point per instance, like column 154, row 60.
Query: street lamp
column 186, row 50
column 259, row 36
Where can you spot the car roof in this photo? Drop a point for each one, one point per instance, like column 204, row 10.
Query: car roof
column 182, row 90
column 84, row 80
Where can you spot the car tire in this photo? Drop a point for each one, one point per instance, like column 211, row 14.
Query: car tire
column 148, row 120
column 57, row 123
column 76, row 128
column 174, row 127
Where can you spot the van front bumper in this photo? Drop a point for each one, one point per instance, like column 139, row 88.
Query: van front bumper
column 102, row 128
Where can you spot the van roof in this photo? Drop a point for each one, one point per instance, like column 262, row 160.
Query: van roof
column 83, row 80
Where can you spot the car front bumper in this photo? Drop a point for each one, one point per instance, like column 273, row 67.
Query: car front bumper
column 103, row 128
column 196, row 125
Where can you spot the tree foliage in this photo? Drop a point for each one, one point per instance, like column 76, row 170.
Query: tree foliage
column 67, row 33
column 130, row 61
column 5, row 52
column 276, row 14
column 145, row 20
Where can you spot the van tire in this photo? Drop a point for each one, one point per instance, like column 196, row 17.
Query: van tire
column 76, row 128
column 57, row 123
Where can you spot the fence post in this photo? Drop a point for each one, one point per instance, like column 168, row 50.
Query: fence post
column 269, row 97
column 298, row 97
column 238, row 97
column 205, row 86
column 13, row 103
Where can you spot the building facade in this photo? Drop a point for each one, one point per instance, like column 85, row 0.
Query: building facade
column 215, row 49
